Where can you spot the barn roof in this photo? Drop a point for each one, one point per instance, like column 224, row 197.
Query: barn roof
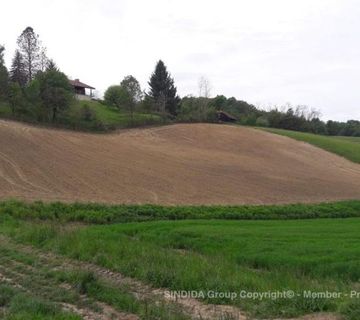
column 224, row 116
column 78, row 83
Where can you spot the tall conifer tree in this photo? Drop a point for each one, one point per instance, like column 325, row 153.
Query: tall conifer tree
column 17, row 71
column 162, row 90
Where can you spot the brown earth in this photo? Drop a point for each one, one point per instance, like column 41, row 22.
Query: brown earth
column 177, row 164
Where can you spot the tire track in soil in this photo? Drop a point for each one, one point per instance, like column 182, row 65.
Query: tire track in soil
column 18, row 279
column 183, row 164
column 192, row 307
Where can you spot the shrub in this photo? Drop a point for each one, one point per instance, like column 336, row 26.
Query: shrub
column 262, row 122
column 87, row 114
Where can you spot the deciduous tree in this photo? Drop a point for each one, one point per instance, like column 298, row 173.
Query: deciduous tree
column 132, row 85
column 56, row 93
column 117, row 96
column 43, row 60
column 204, row 97
column 4, row 76
column 30, row 48
column 2, row 50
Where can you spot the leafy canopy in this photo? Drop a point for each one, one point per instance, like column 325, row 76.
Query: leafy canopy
column 117, row 96
column 56, row 93
column 132, row 85
column 4, row 76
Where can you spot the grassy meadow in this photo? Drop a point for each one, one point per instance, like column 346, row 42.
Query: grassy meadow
column 347, row 147
column 96, row 117
column 36, row 287
column 186, row 249
column 24, row 306
column 105, row 118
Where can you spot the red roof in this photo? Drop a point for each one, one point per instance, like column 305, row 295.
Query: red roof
column 77, row 83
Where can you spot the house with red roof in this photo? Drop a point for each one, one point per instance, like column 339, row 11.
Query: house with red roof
column 82, row 91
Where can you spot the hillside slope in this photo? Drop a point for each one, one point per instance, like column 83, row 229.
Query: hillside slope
column 347, row 147
column 178, row 164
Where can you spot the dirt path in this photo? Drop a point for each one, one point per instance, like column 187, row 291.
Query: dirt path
column 177, row 164
column 194, row 308
column 16, row 273
column 35, row 281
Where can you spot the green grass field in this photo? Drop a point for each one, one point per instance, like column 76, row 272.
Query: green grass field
column 209, row 255
column 347, row 147
column 107, row 118
column 221, row 256
column 352, row 139
column 24, row 306
column 103, row 118
column 38, row 287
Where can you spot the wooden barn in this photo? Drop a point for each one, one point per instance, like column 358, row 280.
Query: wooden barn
column 225, row 117
column 82, row 91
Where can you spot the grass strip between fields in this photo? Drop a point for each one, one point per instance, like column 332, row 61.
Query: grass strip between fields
column 103, row 214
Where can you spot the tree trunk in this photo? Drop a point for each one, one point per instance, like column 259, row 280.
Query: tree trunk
column 54, row 115
column 132, row 115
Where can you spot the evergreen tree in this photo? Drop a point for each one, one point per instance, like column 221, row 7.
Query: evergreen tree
column 162, row 90
column 30, row 48
column 4, row 76
column 52, row 66
column 17, row 71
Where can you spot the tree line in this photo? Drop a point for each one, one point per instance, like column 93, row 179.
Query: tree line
column 35, row 88
column 298, row 118
column 162, row 97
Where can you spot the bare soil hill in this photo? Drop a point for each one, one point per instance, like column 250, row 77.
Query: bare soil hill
column 177, row 164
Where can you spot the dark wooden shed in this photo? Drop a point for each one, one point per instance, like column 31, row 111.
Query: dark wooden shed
column 225, row 117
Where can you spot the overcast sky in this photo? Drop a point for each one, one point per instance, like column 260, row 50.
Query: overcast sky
column 262, row 51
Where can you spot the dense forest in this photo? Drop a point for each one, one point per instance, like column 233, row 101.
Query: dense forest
column 34, row 89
